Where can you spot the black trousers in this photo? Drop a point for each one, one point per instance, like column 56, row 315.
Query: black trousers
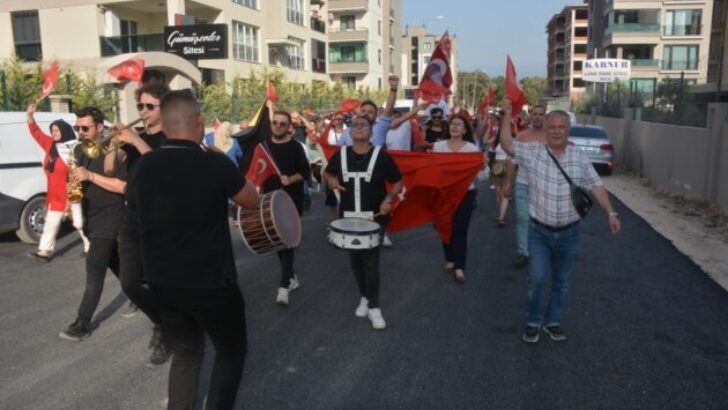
column 102, row 254
column 457, row 250
column 187, row 315
column 365, row 264
column 132, row 273
column 286, row 257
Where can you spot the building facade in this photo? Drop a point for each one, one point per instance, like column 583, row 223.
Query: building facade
column 417, row 48
column 567, row 49
column 664, row 39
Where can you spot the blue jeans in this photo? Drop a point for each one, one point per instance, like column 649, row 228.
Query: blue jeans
column 551, row 252
column 522, row 219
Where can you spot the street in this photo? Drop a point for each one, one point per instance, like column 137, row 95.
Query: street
column 646, row 328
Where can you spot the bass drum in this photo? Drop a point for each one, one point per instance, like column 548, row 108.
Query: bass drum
column 273, row 226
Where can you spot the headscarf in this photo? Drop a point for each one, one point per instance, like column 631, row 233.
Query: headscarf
column 222, row 137
column 67, row 134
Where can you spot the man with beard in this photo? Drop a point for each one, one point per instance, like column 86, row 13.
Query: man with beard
column 290, row 158
column 382, row 123
column 127, row 156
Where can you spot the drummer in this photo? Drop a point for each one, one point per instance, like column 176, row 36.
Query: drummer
column 360, row 173
column 291, row 160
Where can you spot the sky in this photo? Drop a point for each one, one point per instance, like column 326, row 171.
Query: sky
column 488, row 30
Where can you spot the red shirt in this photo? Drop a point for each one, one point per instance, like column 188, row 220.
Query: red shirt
column 56, row 197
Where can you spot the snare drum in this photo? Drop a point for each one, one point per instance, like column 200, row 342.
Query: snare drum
column 354, row 233
column 273, row 226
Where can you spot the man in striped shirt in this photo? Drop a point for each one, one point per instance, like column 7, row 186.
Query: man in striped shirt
column 554, row 234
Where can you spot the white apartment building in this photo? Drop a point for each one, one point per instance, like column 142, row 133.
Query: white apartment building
column 567, row 49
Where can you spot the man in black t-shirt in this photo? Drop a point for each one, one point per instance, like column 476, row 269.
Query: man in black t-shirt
column 290, row 158
column 180, row 195
column 374, row 202
column 126, row 157
column 102, row 206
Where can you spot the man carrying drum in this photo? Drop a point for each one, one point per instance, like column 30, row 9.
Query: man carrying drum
column 360, row 173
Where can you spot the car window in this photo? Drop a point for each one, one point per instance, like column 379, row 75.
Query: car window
column 588, row 132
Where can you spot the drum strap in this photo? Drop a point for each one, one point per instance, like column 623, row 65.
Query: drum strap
column 357, row 177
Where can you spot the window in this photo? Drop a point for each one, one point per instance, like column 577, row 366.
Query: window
column 26, row 33
column 578, row 83
column 379, row 56
column 643, row 87
column 294, row 54
column 379, row 82
column 683, row 22
column 579, row 48
column 245, row 42
column 578, row 65
column 318, row 56
column 680, row 58
column 349, row 81
column 427, row 60
column 427, row 46
column 294, row 12
column 379, row 27
column 253, row 4
column 348, row 53
column 348, row 23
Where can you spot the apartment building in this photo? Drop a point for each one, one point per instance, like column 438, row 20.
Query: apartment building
column 664, row 39
column 362, row 41
column 417, row 48
column 567, row 49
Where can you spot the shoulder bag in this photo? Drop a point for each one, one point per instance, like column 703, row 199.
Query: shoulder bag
column 579, row 196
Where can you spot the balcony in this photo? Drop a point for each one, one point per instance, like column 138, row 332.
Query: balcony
column 318, row 25
column 348, row 34
column 112, row 46
column 632, row 33
column 339, row 6
column 634, row 28
column 349, row 67
column 644, row 64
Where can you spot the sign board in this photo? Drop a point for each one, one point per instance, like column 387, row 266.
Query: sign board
column 197, row 42
column 606, row 70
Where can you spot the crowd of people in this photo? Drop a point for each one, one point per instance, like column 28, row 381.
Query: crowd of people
column 156, row 205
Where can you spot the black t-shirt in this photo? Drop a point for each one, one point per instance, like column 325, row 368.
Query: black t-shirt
column 181, row 198
column 133, row 155
column 299, row 133
column 434, row 136
column 372, row 193
column 290, row 158
column 102, row 209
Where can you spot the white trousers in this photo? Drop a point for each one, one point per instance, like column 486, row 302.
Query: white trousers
column 53, row 221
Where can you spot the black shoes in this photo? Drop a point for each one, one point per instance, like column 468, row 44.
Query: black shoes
column 530, row 335
column 555, row 333
column 520, row 262
column 76, row 332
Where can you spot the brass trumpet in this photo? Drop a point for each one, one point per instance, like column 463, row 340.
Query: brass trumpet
column 94, row 148
column 74, row 193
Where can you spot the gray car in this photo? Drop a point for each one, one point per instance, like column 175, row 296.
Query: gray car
column 595, row 142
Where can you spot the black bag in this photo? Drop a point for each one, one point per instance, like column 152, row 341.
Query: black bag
column 579, row 196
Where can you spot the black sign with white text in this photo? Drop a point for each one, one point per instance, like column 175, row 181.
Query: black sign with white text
column 196, row 42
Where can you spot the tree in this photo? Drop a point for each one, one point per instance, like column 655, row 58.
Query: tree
column 534, row 88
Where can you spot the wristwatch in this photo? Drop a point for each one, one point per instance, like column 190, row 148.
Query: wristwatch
column 613, row 214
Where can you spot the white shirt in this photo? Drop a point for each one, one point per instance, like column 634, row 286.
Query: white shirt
column 400, row 138
column 441, row 146
column 334, row 137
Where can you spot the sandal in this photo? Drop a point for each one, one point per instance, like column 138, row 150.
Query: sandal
column 449, row 267
column 501, row 223
column 458, row 275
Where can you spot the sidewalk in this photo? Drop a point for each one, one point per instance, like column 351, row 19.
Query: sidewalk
column 688, row 233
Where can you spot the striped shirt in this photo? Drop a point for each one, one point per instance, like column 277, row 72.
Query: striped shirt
column 549, row 199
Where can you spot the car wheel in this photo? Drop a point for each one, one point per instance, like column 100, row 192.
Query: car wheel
column 32, row 220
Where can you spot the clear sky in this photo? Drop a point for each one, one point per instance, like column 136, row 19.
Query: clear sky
column 487, row 30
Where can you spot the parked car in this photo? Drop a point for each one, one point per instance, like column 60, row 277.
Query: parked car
column 22, row 181
column 595, row 142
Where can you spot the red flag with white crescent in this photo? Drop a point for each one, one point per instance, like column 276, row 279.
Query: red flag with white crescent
column 131, row 69
column 50, row 79
column 437, row 79
column 262, row 166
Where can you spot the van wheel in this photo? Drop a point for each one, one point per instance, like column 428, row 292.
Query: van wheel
column 32, row 220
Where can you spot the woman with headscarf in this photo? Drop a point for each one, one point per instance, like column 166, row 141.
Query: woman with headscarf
column 56, row 150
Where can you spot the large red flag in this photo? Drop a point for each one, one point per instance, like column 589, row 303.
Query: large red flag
column 50, row 79
column 131, row 69
column 434, row 186
column 262, row 166
column 349, row 105
column 513, row 90
column 437, row 79
column 270, row 92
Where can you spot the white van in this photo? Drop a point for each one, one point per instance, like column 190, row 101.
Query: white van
column 22, row 180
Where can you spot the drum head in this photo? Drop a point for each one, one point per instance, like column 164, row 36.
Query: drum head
column 285, row 218
column 354, row 225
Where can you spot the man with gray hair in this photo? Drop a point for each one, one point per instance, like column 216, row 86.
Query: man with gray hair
column 554, row 233
column 180, row 195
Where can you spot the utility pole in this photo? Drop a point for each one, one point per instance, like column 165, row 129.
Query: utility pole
column 719, row 81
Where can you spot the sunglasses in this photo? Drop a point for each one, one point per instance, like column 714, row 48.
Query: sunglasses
column 149, row 107
column 359, row 125
column 83, row 128
column 279, row 124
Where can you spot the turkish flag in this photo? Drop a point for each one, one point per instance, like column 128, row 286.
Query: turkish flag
column 488, row 100
column 270, row 92
column 437, row 79
column 513, row 90
column 349, row 105
column 434, row 186
column 262, row 166
column 50, row 79
column 131, row 69
column 309, row 111
column 418, row 136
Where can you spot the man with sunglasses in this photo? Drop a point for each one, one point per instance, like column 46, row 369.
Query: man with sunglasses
column 103, row 206
column 290, row 158
column 126, row 157
column 381, row 122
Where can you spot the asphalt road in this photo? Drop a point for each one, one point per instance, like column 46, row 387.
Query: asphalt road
column 646, row 328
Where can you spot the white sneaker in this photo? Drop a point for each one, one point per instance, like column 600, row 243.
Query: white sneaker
column 362, row 309
column 294, row 284
column 375, row 315
column 282, row 297
column 386, row 242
